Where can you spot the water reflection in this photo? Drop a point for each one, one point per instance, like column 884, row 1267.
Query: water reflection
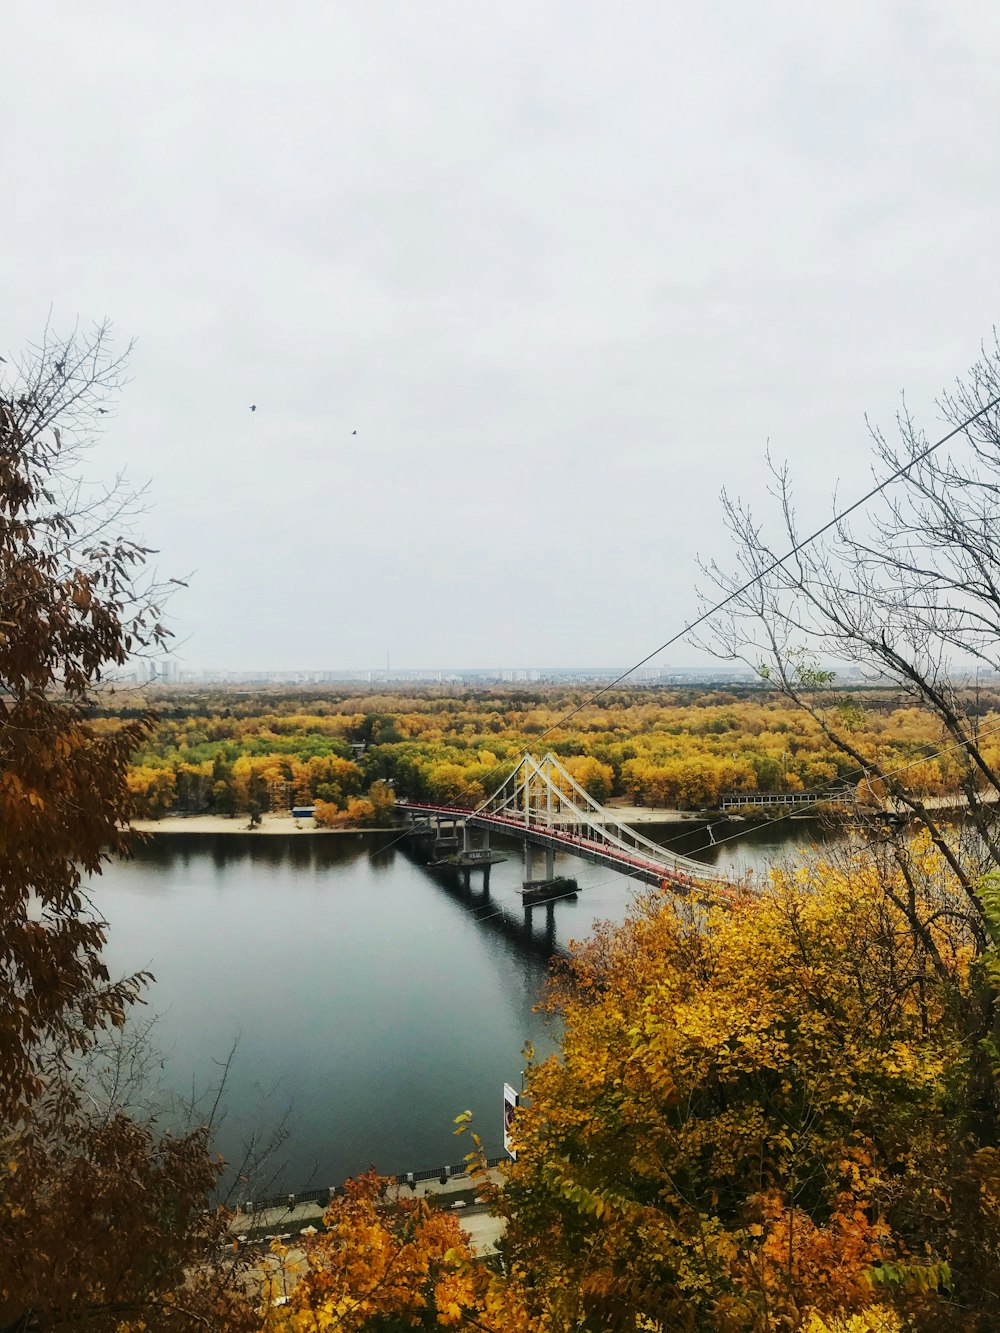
column 362, row 989
column 375, row 994
column 529, row 929
column 738, row 846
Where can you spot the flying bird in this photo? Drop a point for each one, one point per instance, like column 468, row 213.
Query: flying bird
column 253, row 407
column 354, row 432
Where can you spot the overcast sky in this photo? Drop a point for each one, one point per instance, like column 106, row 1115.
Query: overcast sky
column 564, row 267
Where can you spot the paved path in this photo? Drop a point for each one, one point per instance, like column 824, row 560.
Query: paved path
column 457, row 1194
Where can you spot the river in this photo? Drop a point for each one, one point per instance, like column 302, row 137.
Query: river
column 370, row 998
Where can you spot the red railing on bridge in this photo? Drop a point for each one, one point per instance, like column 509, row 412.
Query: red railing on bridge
column 664, row 874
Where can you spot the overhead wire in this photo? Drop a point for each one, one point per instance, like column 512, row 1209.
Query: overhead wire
column 775, row 564
column 764, row 824
column 737, row 836
column 716, row 842
column 720, row 605
column 480, row 915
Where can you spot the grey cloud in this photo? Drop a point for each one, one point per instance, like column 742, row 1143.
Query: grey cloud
column 565, row 267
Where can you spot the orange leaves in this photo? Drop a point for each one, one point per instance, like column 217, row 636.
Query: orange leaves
column 358, row 812
column 822, row 1265
column 101, row 1220
column 80, row 592
column 381, row 1256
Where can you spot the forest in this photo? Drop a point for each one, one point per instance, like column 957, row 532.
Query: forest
column 770, row 1108
column 234, row 752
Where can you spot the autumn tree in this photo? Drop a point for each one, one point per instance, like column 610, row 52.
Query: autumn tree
column 371, row 811
column 758, row 1118
column 101, row 1216
column 908, row 590
column 382, row 1260
column 657, row 749
column 154, row 791
column 595, row 778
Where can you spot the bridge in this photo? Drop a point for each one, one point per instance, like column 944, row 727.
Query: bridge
column 542, row 805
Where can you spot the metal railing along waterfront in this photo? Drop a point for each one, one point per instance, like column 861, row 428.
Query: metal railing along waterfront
column 324, row 1195
column 738, row 800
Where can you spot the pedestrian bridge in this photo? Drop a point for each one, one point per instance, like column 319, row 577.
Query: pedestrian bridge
column 543, row 805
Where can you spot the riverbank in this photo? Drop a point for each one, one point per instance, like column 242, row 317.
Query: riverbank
column 269, row 824
column 286, row 824
column 456, row 1194
column 645, row 814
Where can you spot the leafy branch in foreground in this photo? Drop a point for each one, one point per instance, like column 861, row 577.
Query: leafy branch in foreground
column 102, row 1217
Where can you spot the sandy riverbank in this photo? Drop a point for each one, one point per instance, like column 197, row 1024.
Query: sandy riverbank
column 270, row 824
column 222, row 824
column 643, row 814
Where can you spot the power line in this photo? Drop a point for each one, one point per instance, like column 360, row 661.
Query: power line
column 623, row 873
column 778, row 819
column 775, row 564
column 719, row 842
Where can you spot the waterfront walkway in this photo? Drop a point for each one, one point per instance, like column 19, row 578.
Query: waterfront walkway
column 457, row 1194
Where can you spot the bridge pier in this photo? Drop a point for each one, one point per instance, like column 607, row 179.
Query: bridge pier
column 529, row 858
column 446, row 839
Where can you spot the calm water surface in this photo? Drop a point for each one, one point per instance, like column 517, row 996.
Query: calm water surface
column 372, row 998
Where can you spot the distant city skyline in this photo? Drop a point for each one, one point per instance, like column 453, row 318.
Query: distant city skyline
column 169, row 672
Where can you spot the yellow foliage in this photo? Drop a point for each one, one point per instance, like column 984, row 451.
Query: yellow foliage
column 878, row 1319
column 650, row 748
column 732, row 1121
column 380, row 1256
column 153, row 790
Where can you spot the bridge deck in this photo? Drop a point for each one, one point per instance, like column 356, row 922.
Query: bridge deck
column 645, row 867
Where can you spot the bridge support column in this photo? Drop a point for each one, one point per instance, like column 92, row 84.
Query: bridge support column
column 528, row 850
column 550, row 863
column 465, row 836
column 486, row 840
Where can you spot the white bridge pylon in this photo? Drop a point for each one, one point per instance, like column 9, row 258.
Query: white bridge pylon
column 541, row 797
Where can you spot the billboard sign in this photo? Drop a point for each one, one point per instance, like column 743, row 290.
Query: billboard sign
column 511, row 1101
